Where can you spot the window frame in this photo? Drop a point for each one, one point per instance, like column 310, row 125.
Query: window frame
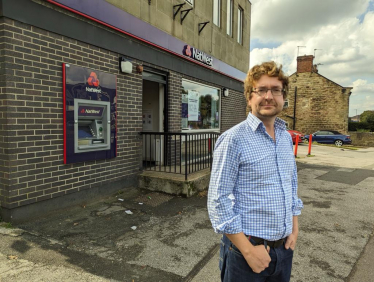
column 230, row 17
column 218, row 130
column 240, row 25
column 218, row 12
column 286, row 104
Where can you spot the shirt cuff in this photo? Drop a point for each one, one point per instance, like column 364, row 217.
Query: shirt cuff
column 232, row 226
column 297, row 207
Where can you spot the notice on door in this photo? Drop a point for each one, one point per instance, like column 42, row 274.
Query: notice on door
column 147, row 120
column 193, row 105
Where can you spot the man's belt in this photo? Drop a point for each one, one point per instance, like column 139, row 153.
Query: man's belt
column 271, row 244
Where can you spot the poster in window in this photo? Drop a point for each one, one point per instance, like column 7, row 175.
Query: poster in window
column 193, row 105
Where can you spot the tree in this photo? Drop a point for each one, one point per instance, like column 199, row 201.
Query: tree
column 367, row 116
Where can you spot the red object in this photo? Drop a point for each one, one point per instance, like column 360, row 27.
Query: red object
column 296, row 144
column 209, row 145
column 310, row 144
column 64, row 106
column 92, row 80
column 295, row 133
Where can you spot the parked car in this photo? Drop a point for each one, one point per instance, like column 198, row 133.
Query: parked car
column 330, row 137
column 294, row 133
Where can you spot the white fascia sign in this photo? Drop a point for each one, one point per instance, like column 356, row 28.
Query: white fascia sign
column 197, row 55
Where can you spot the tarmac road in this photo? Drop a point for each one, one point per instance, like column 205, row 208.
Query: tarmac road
column 173, row 240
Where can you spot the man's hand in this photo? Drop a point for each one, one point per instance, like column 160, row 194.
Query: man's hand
column 292, row 238
column 291, row 241
column 259, row 258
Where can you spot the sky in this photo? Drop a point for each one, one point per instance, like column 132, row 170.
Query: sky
column 340, row 33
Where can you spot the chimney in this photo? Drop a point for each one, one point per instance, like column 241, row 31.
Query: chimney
column 305, row 63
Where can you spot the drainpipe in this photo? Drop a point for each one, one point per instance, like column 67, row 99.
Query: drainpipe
column 294, row 110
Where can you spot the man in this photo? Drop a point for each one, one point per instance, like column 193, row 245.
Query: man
column 252, row 196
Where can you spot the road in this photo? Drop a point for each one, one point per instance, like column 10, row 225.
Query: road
column 174, row 240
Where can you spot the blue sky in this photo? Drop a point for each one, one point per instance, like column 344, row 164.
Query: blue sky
column 343, row 29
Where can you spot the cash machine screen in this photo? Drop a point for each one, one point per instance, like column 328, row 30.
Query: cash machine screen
column 84, row 131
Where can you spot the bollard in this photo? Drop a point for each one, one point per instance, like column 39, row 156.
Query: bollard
column 310, row 144
column 296, row 144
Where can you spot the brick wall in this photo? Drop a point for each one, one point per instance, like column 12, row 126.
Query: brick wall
column 321, row 104
column 305, row 63
column 32, row 166
column 31, row 139
column 233, row 109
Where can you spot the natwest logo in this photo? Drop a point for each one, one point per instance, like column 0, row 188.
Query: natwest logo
column 93, row 80
column 197, row 55
column 91, row 111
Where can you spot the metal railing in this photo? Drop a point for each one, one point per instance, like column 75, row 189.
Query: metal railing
column 179, row 153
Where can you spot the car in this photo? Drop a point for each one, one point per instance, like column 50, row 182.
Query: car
column 330, row 137
column 294, row 133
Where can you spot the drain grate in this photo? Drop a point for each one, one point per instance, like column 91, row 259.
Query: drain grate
column 154, row 199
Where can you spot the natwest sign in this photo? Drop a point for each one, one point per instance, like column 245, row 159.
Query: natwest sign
column 197, row 55
column 90, row 111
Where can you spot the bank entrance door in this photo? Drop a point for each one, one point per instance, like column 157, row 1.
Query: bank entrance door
column 154, row 121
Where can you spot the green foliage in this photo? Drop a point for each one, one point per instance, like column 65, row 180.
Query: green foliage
column 356, row 126
column 367, row 116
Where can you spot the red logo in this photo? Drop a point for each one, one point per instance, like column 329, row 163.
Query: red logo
column 188, row 50
column 92, row 80
column 82, row 111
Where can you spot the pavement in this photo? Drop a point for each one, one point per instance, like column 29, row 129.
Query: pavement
column 138, row 235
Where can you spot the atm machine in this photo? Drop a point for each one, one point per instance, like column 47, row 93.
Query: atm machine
column 90, row 116
column 91, row 126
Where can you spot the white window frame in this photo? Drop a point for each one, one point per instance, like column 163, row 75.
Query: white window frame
column 286, row 104
column 219, row 112
column 230, row 12
column 240, row 25
column 217, row 12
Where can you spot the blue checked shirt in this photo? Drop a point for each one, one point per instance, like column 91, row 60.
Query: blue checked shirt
column 253, row 183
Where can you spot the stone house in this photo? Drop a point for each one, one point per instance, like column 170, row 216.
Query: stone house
column 320, row 102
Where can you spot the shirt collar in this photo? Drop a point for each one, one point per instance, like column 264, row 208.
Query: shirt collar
column 254, row 122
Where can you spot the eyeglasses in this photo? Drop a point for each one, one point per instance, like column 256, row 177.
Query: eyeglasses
column 262, row 91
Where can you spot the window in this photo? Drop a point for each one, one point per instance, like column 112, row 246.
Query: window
column 189, row 2
column 217, row 12
column 286, row 104
column 200, row 106
column 240, row 25
column 230, row 9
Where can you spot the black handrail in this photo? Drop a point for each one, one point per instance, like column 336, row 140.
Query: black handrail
column 193, row 152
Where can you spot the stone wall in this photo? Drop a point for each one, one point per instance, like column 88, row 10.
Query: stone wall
column 320, row 104
column 212, row 40
column 362, row 138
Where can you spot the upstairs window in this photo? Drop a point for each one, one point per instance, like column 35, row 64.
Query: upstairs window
column 217, row 12
column 230, row 10
column 240, row 25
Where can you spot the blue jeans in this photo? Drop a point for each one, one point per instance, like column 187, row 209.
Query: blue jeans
column 234, row 267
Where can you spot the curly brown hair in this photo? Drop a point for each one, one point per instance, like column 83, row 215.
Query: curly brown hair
column 267, row 68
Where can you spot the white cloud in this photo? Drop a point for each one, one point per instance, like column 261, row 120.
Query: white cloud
column 347, row 55
column 279, row 20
